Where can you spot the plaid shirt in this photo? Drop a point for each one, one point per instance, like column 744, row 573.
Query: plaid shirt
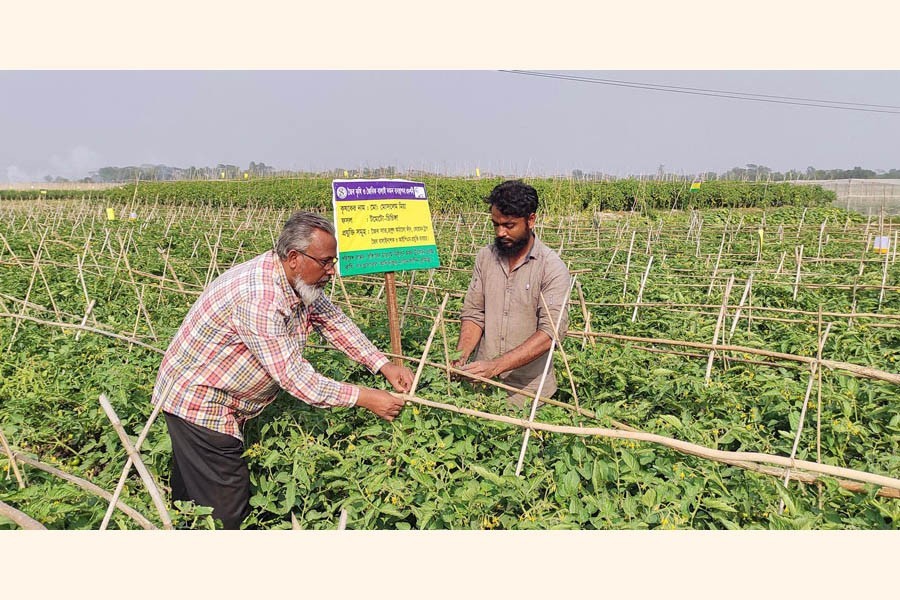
column 243, row 340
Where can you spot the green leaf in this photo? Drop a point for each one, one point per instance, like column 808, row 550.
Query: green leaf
column 492, row 477
column 672, row 420
column 717, row 505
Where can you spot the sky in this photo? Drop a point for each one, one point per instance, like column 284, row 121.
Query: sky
column 68, row 123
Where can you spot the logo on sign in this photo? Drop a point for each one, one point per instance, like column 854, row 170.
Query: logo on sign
column 419, row 192
column 341, row 192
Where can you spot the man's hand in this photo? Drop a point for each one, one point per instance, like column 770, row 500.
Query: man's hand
column 382, row 403
column 399, row 377
column 483, row 368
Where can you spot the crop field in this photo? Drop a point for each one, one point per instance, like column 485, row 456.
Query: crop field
column 724, row 368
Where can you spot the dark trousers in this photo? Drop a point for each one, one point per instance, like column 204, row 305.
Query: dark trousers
column 207, row 468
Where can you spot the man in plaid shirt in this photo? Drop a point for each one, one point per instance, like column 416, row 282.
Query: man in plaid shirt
column 239, row 344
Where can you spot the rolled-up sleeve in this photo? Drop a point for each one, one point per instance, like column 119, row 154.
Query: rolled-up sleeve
column 263, row 328
column 555, row 289
column 473, row 304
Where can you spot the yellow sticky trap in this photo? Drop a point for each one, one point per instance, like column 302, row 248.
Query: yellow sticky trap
column 882, row 244
column 346, row 174
column 110, row 214
column 477, row 172
column 246, row 175
column 759, row 232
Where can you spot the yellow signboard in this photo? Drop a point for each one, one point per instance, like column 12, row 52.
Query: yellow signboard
column 383, row 225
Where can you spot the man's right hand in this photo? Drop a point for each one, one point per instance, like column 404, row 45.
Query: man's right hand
column 385, row 405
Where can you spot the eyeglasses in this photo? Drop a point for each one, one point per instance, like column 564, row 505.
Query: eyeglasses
column 323, row 262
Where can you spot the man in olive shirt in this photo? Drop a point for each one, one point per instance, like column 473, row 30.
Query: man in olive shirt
column 502, row 315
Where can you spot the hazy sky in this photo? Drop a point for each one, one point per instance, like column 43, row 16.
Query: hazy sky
column 68, row 123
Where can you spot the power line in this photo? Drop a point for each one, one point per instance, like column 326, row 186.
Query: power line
column 772, row 99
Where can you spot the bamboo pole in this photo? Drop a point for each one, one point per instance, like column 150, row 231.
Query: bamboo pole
column 719, row 322
column 12, row 460
column 814, row 367
column 678, row 445
column 799, row 255
column 862, row 371
column 547, row 364
column 84, row 328
column 737, row 314
column 138, row 464
column 627, row 265
column 883, row 281
column 641, row 290
column 28, row 292
column 434, row 328
column 19, row 518
column 565, row 358
column 712, row 279
column 88, row 486
column 586, row 316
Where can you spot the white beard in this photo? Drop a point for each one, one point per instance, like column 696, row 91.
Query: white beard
column 307, row 293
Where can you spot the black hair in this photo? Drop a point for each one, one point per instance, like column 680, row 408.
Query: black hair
column 514, row 198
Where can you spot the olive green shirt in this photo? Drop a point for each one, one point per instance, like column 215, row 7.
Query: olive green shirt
column 507, row 306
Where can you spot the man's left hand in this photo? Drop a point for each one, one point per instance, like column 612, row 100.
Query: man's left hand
column 399, row 377
column 483, row 368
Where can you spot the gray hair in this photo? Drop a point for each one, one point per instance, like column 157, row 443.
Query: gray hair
column 298, row 231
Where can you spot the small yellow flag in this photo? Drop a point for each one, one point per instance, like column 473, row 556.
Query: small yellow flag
column 695, row 186
column 346, row 174
column 110, row 214
column 477, row 172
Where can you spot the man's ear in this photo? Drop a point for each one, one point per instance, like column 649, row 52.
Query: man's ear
column 531, row 219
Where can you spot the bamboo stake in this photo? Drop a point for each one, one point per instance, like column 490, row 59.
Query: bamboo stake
column 347, row 297
column 719, row 321
column 883, row 281
column 641, row 290
column 19, row 518
column 434, row 328
column 565, row 358
column 28, row 292
column 861, row 371
column 812, row 378
column 88, row 486
column 737, row 314
column 138, row 464
column 409, row 291
column 10, row 250
column 678, row 445
column 819, row 402
column 12, row 460
column 586, row 316
column 821, row 233
column 627, row 265
column 547, row 364
column 87, row 313
column 799, row 256
column 712, row 280
column 83, row 328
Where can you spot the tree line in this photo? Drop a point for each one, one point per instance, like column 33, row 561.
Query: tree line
column 749, row 172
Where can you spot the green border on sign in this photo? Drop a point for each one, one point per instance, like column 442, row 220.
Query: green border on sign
column 383, row 260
